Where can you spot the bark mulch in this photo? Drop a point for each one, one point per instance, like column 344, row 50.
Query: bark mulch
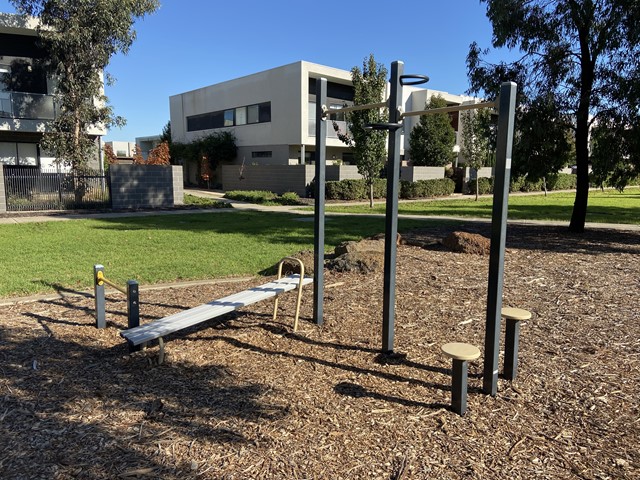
column 244, row 397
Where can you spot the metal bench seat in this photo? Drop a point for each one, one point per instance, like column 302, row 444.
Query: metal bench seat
column 178, row 321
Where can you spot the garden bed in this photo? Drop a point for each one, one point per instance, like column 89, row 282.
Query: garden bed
column 243, row 397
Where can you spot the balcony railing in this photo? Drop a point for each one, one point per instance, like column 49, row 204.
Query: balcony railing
column 27, row 106
column 331, row 133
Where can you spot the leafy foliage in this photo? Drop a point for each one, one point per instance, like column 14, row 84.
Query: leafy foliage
column 217, row 147
column 263, row 197
column 431, row 141
column 138, row 159
column 109, row 156
column 159, row 155
column 80, row 37
column 368, row 146
column 476, row 140
column 579, row 57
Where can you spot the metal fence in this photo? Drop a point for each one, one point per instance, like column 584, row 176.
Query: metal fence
column 32, row 189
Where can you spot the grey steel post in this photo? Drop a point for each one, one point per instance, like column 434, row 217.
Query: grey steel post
column 459, row 386
column 506, row 113
column 391, row 217
column 511, row 341
column 98, row 295
column 318, row 225
column 133, row 309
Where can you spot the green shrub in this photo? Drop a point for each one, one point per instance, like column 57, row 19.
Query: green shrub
column 561, row 181
column 289, row 198
column 251, row 196
column 437, row 187
column 516, row 184
column 379, row 188
column 346, row 190
column 485, row 186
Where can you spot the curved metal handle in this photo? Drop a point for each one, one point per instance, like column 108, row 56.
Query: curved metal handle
column 413, row 79
column 275, row 306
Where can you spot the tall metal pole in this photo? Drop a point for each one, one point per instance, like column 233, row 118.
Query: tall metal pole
column 391, row 217
column 506, row 113
column 318, row 225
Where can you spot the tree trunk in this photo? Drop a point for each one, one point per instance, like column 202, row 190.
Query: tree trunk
column 587, row 69
column 371, row 195
column 477, row 185
column 544, row 185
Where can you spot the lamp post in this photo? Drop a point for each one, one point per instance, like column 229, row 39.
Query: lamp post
column 456, row 150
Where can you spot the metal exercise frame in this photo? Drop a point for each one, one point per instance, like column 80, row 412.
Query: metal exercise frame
column 133, row 299
column 506, row 112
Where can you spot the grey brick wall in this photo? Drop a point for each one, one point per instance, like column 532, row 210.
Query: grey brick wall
column 178, row 185
column 275, row 178
column 145, row 186
column 3, row 196
column 413, row 174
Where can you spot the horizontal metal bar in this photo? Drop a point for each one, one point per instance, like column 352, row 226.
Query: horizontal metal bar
column 100, row 279
column 368, row 106
column 454, row 108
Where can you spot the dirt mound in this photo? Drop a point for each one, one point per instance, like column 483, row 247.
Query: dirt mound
column 465, row 242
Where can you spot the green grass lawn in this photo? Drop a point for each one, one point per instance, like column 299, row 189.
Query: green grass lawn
column 609, row 206
column 44, row 257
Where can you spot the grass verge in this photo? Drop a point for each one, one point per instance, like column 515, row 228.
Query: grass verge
column 609, row 206
column 58, row 256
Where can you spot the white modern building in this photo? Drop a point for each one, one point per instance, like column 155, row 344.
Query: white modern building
column 272, row 114
column 27, row 104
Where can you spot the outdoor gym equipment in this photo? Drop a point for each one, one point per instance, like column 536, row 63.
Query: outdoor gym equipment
column 506, row 113
column 156, row 330
column 131, row 291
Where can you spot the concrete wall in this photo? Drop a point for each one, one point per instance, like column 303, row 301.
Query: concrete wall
column 3, row 196
column 146, row 186
column 413, row 174
column 275, row 178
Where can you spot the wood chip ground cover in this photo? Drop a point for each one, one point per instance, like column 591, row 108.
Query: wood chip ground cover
column 243, row 397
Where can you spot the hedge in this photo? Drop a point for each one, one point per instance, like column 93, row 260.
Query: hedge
column 559, row 181
column 437, row 187
column 357, row 189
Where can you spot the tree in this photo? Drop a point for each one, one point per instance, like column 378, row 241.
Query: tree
column 159, row 155
column 542, row 144
column 368, row 146
column 476, row 140
column 216, row 147
column 165, row 136
column 109, row 155
column 612, row 155
column 431, row 141
column 581, row 53
column 79, row 38
column 138, row 159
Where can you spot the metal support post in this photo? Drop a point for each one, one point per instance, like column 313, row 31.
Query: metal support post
column 391, row 217
column 506, row 112
column 318, row 225
column 459, row 386
column 133, row 309
column 511, row 341
column 98, row 295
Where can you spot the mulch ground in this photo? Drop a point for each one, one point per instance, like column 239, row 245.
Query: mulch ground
column 243, row 397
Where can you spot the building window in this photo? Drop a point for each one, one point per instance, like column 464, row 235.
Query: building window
column 228, row 118
column 263, row 154
column 20, row 154
column 253, row 114
column 259, row 113
column 241, row 116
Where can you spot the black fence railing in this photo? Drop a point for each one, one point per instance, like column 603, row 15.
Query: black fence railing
column 32, row 189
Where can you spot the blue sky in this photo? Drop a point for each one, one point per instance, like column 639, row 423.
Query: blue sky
column 191, row 44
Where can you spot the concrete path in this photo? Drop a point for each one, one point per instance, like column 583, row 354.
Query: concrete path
column 237, row 205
